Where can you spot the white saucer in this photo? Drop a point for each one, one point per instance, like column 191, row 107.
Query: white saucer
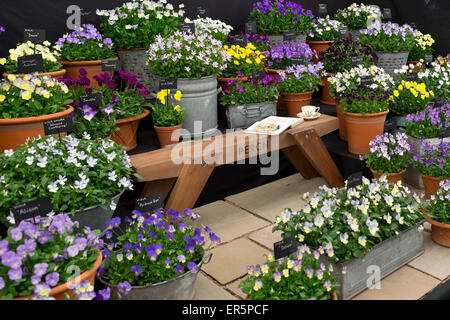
column 300, row 115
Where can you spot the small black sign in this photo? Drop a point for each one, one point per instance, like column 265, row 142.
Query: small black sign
column 323, row 9
column 285, row 247
column 289, row 35
column 343, row 32
column 58, row 126
column 298, row 60
column 167, row 84
column 30, row 64
column 413, row 25
column 444, row 133
column 411, row 76
column 428, row 58
column 258, row 75
column 187, row 27
column 355, row 180
column 89, row 16
column 30, row 209
column 387, row 13
column 390, row 125
column 111, row 65
column 150, row 203
column 355, row 35
column 201, row 12
column 356, row 61
column 401, row 122
column 250, row 27
column 439, row 102
column 92, row 100
column 240, row 40
column 366, row 80
column 36, row 36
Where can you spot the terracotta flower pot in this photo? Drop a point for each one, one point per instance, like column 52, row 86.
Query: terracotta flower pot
column 391, row 177
column 54, row 75
column 294, row 102
column 126, row 136
column 342, row 127
column 326, row 98
column 59, row 292
column 93, row 68
column 223, row 81
column 440, row 233
column 165, row 135
column 363, row 129
column 432, row 185
column 415, row 63
column 318, row 47
column 14, row 132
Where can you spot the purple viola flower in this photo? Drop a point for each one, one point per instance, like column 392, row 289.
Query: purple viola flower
column 16, row 234
column 40, row 269
column 124, row 288
column 108, row 110
column 15, row 274
column 192, row 266
column 189, row 248
column 104, row 294
column 181, row 258
column 2, row 29
column 72, row 251
column 44, row 237
column 100, row 272
column 214, row 239
column 4, row 246
column 136, row 270
column 178, row 269
column 240, row 90
column 52, row 279
column 152, row 255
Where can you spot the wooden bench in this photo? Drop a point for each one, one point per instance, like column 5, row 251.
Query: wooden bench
column 190, row 172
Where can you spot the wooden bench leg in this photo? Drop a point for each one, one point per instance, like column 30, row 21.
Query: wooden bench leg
column 163, row 186
column 299, row 161
column 313, row 148
column 190, row 183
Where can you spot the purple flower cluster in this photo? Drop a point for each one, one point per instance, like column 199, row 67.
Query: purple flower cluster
column 280, row 55
column 81, row 34
column 433, row 160
column 426, row 124
column 281, row 7
column 259, row 41
column 2, row 29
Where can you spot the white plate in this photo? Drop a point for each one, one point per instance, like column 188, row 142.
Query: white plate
column 300, row 115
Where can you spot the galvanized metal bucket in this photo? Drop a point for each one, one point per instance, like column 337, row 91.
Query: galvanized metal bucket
column 390, row 61
column 179, row 288
column 239, row 117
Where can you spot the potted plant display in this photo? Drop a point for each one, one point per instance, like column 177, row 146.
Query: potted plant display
column 433, row 163
column 156, row 257
column 364, row 105
column 260, row 42
column 323, row 33
column 38, row 258
column 391, row 42
column 297, row 277
column 218, row 29
column 280, row 57
column 194, row 60
column 437, row 213
column 297, row 86
column 52, row 67
column 84, row 178
column 273, row 17
column 437, row 77
column 168, row 117
column 389, row 155
column 423, row 44
column 133, row 26
column 358, row 16
column 338, row 58
column 410, row 97
column 84, row 48
column 26, row 103
column 357, row 227
column 250, row 101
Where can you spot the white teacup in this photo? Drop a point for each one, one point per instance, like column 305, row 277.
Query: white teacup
column 310, row 111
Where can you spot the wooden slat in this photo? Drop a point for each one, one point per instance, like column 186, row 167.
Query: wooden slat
column 299, row 161
column 163, row 186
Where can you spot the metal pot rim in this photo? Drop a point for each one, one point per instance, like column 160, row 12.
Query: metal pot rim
column 93, row 207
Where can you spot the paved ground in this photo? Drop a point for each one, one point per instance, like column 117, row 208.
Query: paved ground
column 244, row 223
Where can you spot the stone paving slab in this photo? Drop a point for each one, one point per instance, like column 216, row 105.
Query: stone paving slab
column 266, row 237
column 206, row 289
column 234, row 287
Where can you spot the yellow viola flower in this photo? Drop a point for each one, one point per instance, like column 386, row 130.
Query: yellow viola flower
column 400, row 87
column 258, row 60
column 431, row 92
column 11, row 77
column 177, row 108
column 2, row 98
column 248, row 61
column 46, row 94
column 178, row 95
column 396, row 93
column 2, row 61
column 26, row 95
column 236, row 62
column 226, row 47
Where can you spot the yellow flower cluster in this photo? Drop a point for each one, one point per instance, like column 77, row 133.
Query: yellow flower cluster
column 28, row 48
column 415, row 88
column 248, row 55
column 424, row 40
column 161, row 95
column 29, row 85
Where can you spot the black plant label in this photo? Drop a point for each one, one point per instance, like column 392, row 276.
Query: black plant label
column 289, row 35
column 201, row 11
column 355, row 180
column 366, row 80
column 258, row 75
column 58, row 126
column 355, row 35
column 323, row 11
column 240, row 40
column 298, row 60
column 387, row 13
column 92, row 100
column 250, row 27
column 390, row 125
column 444, row 133
column 150, row 203
column 411, row 76
column 343, row 32
column 111, row 65
column 168, row 84
column 188, row 27
column 428, row 58
column 36, row 36
column 285, row 247
column 356, row 61
column 439, row 102
column 30, row 209
column 30, row 64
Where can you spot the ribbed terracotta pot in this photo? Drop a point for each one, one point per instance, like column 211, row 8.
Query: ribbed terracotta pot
column 274, row 73
column 223, row 81
column 363, row 129
column 165, row 135
column 391, row 177
column 440, row 233
column 14, row 132
column 342, row 127
column 326, row 98
column 295, row 101
column 54, row 75
column 126, row 136
column 319, row 46
column 59, row 292
column 93, row 68
column 432, row 185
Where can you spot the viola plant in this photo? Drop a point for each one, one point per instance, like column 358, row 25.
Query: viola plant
column 325, row 29
column 168, row 112
column 260, row 42
column 243, row 60
column 365, row 100
column 423, row 45
column 433, row 160
column 437, row 77
column 389, row 153
column 438, row 207
column 388, row 37
column 297, row 277
column 37, row 256
column 75, row 173
column 32, row 96
column 218, row 29
column 300, row 78
column 154, row 248
column 85, row 44
column 250, row 92
column 338, row 57
column 410, row 97
column 187, row 55
column 280, row 56
column 49, row 56
column 358, row 16
column 427, row 124
column 275, row 16
column 348, row 223
column 137, row 23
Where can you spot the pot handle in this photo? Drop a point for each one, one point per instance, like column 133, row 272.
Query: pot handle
column 219, row 90
column 205, row 260
column 252, row 112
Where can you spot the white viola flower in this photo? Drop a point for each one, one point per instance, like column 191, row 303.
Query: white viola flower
column 30, row 160
column 42, row 162
column 86, row 136
column 31, row 150
column 53, row 187
column 2, row 179
column 124, row 182
column 62, row 180
column 111, row 156
column 9, row 152
column 112, row 205
column 11, row 219
column 362, row 241
column 91, row 162
column 82, row 184
column 112, row 176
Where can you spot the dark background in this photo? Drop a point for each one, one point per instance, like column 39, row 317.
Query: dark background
column 431, row 16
